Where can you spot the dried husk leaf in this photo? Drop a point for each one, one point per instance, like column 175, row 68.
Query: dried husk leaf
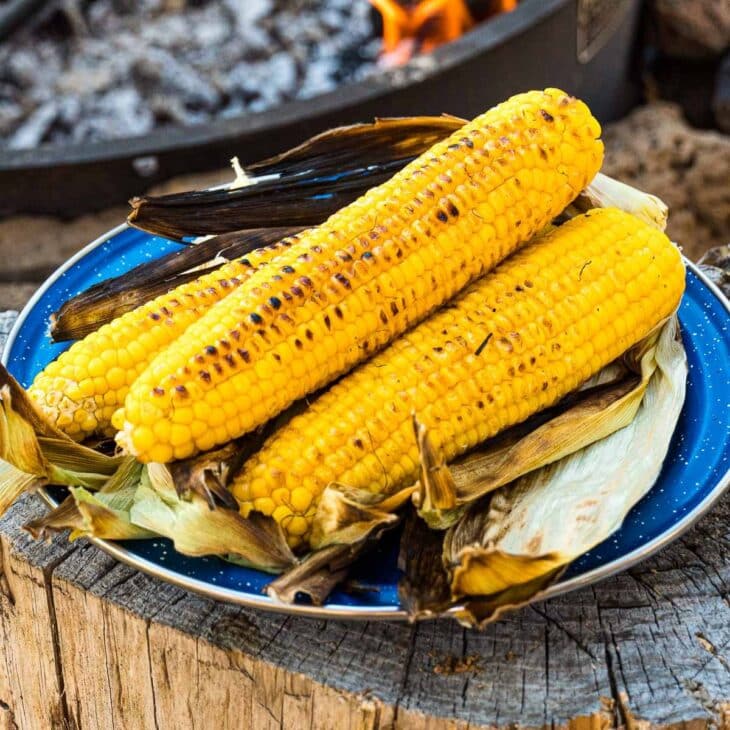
column 322, row 570
column 209, row 474
column 345, row 516
column 302, row 186
column 347, row 524
column 480, row 611
column 605, row 192
column 424, row 590
column 88, row 311
column 196, row 530
column 529, row 531
column 32, row 445
column 13, row 483
column 316, row 576
column 103, row 514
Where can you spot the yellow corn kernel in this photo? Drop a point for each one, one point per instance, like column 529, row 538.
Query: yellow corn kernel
column 107, row 361
column 492, row 384
column 380, row 264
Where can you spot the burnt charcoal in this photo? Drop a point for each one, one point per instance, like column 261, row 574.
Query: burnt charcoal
column 117, row 113
column 100, row 69
column 159, row 71
column 10, row 114
column 248, row 13
column 320, row 77
column 34, row 128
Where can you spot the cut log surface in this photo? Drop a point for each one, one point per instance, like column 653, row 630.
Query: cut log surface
column 90, row 643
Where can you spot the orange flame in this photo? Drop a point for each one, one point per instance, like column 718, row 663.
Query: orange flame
column 423, row 25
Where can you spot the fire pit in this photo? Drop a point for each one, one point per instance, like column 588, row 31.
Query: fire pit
column 584, row 46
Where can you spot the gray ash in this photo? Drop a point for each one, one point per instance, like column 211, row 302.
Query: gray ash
column 90, row 70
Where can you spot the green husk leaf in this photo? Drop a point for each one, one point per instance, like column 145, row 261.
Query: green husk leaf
column 529, row 531
column 196, row 530
column 99, row 304
column 606, row 192
column 103, row 514
column 300, row 187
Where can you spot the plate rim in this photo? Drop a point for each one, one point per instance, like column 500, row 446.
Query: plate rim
column 342, row 611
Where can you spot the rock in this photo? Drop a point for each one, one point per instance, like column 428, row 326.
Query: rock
column 657, row 151
column 692, row 28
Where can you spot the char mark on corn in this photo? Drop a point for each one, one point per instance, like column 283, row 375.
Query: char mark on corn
column 510, row 345
column 80, row 390
column 373, row 269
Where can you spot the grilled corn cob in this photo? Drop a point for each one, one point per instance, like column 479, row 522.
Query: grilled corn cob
column 511, row 345
column 81, row 390
column 365, row 275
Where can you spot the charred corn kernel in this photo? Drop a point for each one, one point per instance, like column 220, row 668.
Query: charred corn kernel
column 379, row 265
column 107, row 361
column 513, row 343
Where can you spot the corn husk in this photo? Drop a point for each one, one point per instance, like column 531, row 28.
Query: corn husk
column 506, row 550
column 300, row 187
column 209, row 474
column 39, row 453
column 715, row 264
column 605, row 192
column 345, row 515
column 608, row 402
column 424, row 591
column 348, row 522
column 198, row 530
column 103, row 514
column 102, row 302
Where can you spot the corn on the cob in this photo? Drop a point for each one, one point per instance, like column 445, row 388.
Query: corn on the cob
column 512, row 344
column 80, row 391
column 370, row 271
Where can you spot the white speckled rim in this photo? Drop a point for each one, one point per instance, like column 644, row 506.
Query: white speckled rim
column 340, row 611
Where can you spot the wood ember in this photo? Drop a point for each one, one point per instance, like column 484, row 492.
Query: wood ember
column 101, row 69
column 657, row 151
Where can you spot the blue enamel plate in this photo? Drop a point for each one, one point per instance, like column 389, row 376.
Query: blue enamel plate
column 695, row 475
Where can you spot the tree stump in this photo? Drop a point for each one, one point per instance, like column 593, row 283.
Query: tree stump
column 90, row 643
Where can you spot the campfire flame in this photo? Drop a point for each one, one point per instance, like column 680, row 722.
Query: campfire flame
column 412, row 26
